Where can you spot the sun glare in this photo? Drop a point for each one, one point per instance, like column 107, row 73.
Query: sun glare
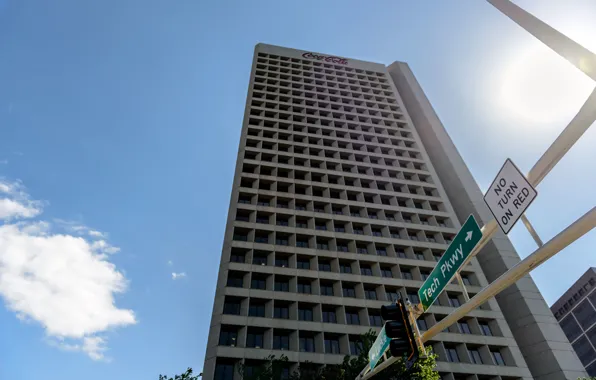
column 540, row 87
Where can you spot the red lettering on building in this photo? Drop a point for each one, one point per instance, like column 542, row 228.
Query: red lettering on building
column 330, row 59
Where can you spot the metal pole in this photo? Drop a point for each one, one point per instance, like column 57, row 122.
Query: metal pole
column 463, row 286
column 572, row 132
column 412, row 319
column 576, row 230
column 531, row 230
column 575, row 53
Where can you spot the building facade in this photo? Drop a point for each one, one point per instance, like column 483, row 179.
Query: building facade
column 347, row 190
column 576, row 313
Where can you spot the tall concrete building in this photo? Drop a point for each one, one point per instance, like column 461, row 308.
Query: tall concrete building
column 347, row 191
column 576, row 313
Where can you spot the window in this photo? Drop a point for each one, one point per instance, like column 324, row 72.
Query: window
column 352, row 318
column 356, row 346
column 424, row 275
column 325, row 266
column 282, row 262
column 386, row 272
column 282, row 286
column 301, row 243
column 466, row 279
column 475, row 356
column 498, row 358
column 224, row 371
column 304, row 287
column 228, row 337
column 592, row 336
column 401, row 253
column 329, row 316
column 349, row 292
column 257, row 283
column 326, row 290
column 365, row 270
column 259, row 259
column 254, row 339
column 464, row 328
column 345, row 268
column 393, row 296
column 381, row 252
column 585, row 314
column 231, row 307
column 570, row 328
column 375, row 320
column 307, row 344
column 452, row 354
column 235, row 280
column 323, row 246
column 406, row 274
column 422, row 326
column 303, row 264
column 281, row 342
column 370, row 294
column 240, row 237
column 485, row 328
column 419, row 255
column 584, row 350
column 331, row 346
column 454, row 301
column 305, row 314
column 413, row 297
column 256, row 310
column 237, row 258
column 282, row 312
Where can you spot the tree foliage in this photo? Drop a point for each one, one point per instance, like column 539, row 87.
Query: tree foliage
column 185, row 376
column 273, row 368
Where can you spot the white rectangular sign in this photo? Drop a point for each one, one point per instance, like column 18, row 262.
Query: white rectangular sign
column 509, row 196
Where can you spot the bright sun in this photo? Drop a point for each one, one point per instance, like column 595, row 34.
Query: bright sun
column 540, row 87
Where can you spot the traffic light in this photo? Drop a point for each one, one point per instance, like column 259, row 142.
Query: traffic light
column 399, row 329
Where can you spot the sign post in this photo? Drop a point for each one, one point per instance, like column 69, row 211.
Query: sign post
column 450, row 263
column 509, row 196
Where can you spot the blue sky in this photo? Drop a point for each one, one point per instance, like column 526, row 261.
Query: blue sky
column 110, row 112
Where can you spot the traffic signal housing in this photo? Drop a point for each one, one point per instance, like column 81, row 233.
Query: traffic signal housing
column 399, row 329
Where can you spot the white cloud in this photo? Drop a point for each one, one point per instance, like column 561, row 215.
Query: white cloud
column 170, row 263
column 96, row 234
column 94, row 346
column 176, row 276
column 15, row 203
column 62, row 281
column 80, row 229
column 11, row 209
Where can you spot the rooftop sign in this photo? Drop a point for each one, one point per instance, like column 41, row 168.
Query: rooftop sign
column 326, row 58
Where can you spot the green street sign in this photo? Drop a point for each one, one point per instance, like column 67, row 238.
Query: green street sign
column 450, row 263
column 378, row 348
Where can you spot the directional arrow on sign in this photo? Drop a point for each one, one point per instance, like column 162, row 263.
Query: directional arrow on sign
column 450, row 263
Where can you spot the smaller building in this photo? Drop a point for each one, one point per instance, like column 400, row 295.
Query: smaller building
column 576, row 313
